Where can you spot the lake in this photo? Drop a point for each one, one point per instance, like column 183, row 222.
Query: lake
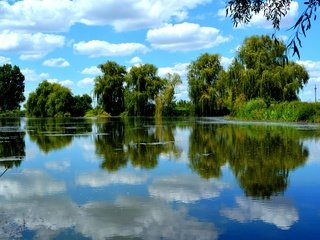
column 197, row 178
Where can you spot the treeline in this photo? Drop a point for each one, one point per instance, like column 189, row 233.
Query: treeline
column 260, row 70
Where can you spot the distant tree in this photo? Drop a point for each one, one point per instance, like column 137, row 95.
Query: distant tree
column 261, row 70
column 11, row 88
column 109, row 88
column 202, row 76
column 165, row 100
column 242, row 11
column 50, row 100
column 143, row 85
column 81, row 104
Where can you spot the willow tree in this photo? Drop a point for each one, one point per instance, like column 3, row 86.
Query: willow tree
column 262, row 70
column 165, row 100
column 143, row 85
column 109, row 89
column 203, row 74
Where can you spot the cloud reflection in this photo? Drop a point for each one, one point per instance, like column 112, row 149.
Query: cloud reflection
column 278, row 211
column 185, row 188
column 28, row 184
column 102, row 179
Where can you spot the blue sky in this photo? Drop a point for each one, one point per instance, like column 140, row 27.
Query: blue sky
column 64, row 41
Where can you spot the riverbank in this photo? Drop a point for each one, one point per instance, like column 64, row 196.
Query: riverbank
column 294, row 111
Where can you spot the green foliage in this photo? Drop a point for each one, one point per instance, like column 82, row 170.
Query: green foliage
column 11, row 88
column 81, row 105
column 143, row 85
column 286, row 111
column 97, row 112
column 165, row 101
column 109, row 88
column 202, row 77
column 54, row 100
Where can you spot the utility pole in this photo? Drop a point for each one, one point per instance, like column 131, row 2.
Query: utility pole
column 315, row 93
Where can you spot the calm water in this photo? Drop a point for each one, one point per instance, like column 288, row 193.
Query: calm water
column 147, row 179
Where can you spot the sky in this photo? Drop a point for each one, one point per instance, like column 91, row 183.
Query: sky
column 64, row 41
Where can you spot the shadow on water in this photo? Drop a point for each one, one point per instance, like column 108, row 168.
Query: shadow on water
column 12, row 144
column 260, row 157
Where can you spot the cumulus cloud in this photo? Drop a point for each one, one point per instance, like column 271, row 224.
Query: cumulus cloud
column 278, row 211
column 86, row 82
column 30, row 46
column 185, row 37
column 225, row 62
column 97, row 48
column 4, row 60
column 32, row 75
column 185, row 188
column 93, row 70
column 59, row 16
column 135, row 61
column 56, row 62
column 102, row 179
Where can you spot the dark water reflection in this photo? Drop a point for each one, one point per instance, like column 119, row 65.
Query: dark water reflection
column 158, row 179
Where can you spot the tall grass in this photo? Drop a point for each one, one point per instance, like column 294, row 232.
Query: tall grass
column 286, row 111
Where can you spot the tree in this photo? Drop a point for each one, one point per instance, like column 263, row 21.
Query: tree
column 143, row 85
column 11, row 87
column 242, row 11
column 202, row 76
column 50, row 100
column 109, row 88
column 261, row 70
column 81, row 104
column 165, row 100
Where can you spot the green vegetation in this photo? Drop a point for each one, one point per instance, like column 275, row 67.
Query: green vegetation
column 54, row 100
column 285, row 111
column 11, row 88
column 261, row 83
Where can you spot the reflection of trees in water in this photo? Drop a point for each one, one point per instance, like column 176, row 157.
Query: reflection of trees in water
column 12, row 144
column 139, row 141
column 260, row 157
column 53, row 133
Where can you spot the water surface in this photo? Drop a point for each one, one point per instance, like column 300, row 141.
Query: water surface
column 149, row 179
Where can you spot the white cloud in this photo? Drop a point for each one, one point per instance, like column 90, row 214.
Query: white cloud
column 38, row 16
column 66, row 83
column 185, row 37
column 136, row 14
column 225, row 62
column 185, row 188
column 93, row 70
column 56, row 62
column 4, row 60
column 277, row 211
column 135, row 61
column 37, row 183
column 102, row 179
column 86, row 82
column 97, row 48
column 30, row 46
column 32, row 75
column 59, row 16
